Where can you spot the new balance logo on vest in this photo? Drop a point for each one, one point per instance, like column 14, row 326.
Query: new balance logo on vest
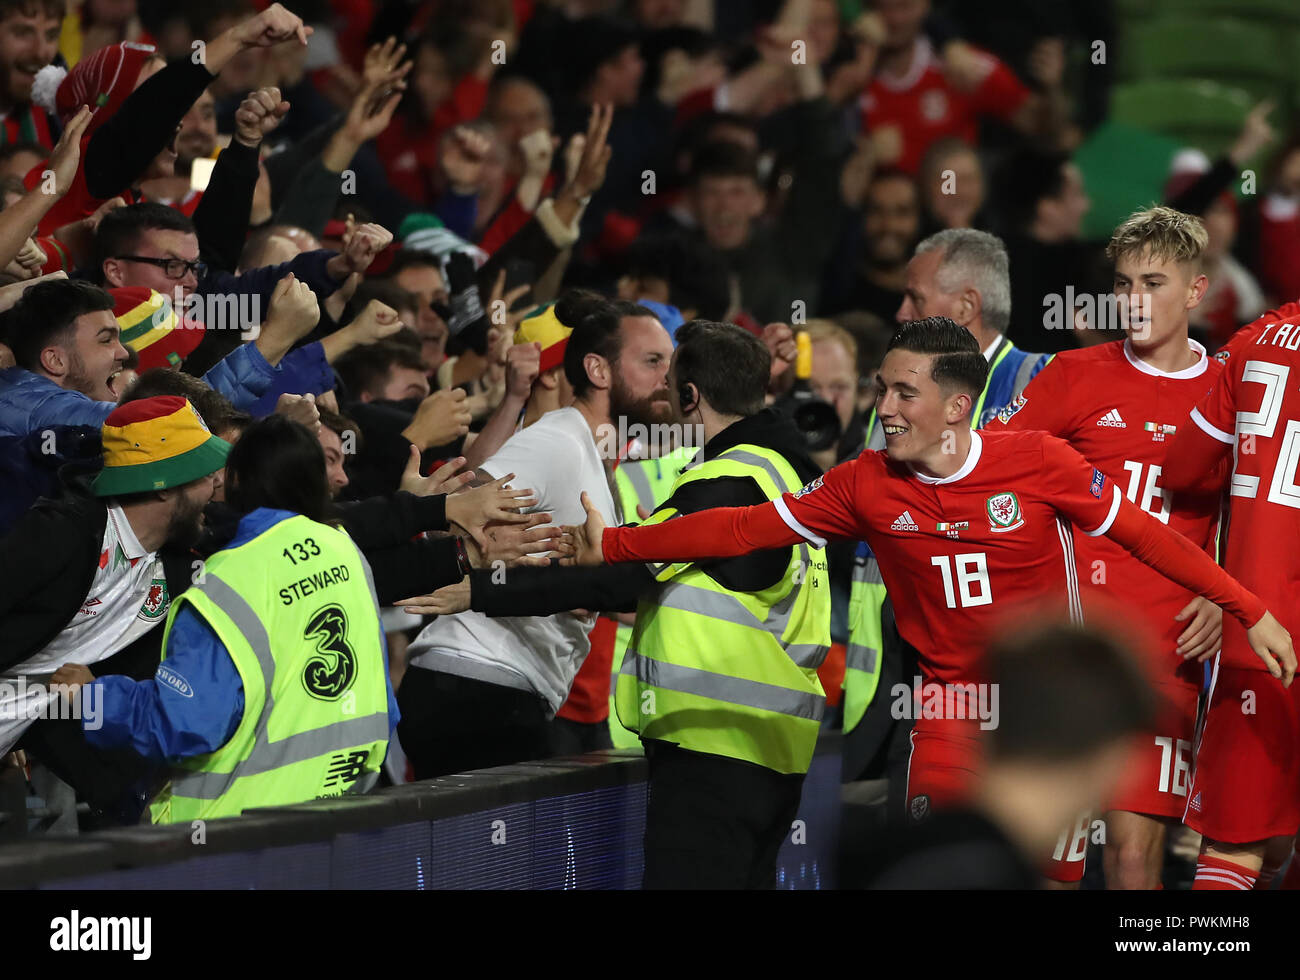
column 1113, row 420
column 904, row 522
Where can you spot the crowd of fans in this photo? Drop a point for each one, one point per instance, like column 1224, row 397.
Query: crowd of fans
column 359, row 217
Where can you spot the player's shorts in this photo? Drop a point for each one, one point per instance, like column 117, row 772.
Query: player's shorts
column 941, row 773
column 1246, row 777
column 942, row 768
column 1156, row 778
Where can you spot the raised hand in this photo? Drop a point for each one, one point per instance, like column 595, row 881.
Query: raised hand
column 463, row 158
column 492, row 503
column 523, row 365
column 375, row 322
column 293, row 314
column 383, row 61
column 593, row 158
column 779, row 340
column 445, row 479
column 258, row 114
column 271, row 26
column 299, row 408
column 441, row 418
column 587, row 537
column 365, row 242
column 66, row 155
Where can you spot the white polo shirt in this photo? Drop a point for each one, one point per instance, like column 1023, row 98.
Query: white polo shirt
column 557, row 457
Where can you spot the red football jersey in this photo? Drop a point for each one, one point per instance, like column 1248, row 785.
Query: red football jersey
column 1255, row 408
column 925, row 107
column 957, row 553
column 1120, row 414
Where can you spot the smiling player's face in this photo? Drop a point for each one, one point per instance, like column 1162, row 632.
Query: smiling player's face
column 912, row 408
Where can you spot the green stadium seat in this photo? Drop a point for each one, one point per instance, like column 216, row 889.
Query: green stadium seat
column 1124, row 168
column 1193, row 112
column 1270, row 13
column 1230, row 51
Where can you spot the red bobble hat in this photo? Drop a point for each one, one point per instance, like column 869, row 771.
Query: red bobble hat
column 101, row 81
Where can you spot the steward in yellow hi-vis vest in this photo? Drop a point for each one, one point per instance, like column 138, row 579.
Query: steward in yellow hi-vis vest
column 720, row 678
column 274, row 685
column 295, row 611
column 644, row 483
column 730, row 673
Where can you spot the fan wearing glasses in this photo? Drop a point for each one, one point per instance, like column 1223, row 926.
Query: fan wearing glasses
column 150, row 245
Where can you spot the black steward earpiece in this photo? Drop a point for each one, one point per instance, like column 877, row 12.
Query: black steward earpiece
column 686, row 396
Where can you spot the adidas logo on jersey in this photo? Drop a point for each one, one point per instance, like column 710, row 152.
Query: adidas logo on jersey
column 904, row 522
column 1113, row 420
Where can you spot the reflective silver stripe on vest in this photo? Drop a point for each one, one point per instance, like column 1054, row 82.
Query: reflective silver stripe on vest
column 246, row 621
column 275, row 755
column 266, row 756
column 807, row 655
column 741, row 456
column 723, row 606
column 1023, row 374
column 868, row 571
column 719, row 687
column 859, row 657
column 641, row 487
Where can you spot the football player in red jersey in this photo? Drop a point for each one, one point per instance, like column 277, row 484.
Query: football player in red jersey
column 1119, row 404
column 966, row 525
column 1245, row 791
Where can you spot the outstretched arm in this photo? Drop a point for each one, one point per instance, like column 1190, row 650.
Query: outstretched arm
column 721, row 532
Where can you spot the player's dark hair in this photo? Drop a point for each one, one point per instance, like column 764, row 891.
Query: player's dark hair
column 45, row 315
column 1065, row 691
column 597, row 332
column 728, row 365
column 279, row 463
column 958, row 361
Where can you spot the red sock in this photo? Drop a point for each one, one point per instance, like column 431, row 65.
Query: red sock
column 1216, row 874
column 1291, row 880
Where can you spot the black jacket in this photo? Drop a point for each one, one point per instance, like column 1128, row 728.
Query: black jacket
column 616, row 588
column 385, row 528
column 47, row 563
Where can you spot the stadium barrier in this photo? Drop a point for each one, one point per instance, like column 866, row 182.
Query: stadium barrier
column 571, row 822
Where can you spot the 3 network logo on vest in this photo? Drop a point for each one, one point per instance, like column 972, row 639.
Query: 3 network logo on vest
column 332, row 668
